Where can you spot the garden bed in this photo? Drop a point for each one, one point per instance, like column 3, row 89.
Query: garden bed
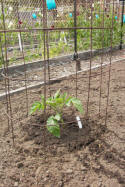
column 92, row 157
column 59, row 69
column 14, row 69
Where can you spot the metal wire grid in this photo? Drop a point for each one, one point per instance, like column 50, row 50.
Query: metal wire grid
column 58, row 15
column 31, row 38
column 47, row 90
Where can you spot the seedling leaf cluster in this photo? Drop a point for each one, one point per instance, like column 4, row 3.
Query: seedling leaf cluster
column 58, row 103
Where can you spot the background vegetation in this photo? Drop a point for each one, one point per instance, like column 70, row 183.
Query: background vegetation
column 62, row 42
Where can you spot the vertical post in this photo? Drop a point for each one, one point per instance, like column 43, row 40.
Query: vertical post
column 47, row 48
column 75, row 32
column 75, row 57
column 90, row 65
column 122, row 16
column 7, row 82
column 23, row 56
column 101, row 69
column 44, row 26
column 110, row 66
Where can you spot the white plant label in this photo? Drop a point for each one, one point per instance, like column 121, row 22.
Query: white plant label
column 79, row 122
column 20, row 43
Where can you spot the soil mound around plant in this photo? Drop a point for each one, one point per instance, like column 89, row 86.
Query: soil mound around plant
column 71, row 136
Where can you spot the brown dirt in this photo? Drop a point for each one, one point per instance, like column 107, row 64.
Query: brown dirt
column 91, row 157
column 34, row 76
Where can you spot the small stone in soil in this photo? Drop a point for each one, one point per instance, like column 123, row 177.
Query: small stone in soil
column 60, row 184
column 69, row 171
column 16, row 184
column 20, row 165
column 83, row 168
column 38, row 171
column 45, row 179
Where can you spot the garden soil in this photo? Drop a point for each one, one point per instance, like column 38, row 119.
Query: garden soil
column 56, row 70
column 93, row 156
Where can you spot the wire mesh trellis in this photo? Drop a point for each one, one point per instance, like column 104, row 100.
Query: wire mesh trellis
column 30, row 23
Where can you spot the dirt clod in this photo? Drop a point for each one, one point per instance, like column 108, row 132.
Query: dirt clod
column 20, row 165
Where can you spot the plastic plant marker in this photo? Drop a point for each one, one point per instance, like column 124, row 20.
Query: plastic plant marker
column 51, row 4
column 34, row 16
column 116, row 17
column 97, row 16
column 79, row 122
column 123, row 18
column 10, row 8
column 10, row 24
column 52, row 27
column 20, row 43
column 70, row 14
column 20, row 22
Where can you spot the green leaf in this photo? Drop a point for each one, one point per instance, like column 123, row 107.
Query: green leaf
column 68, row 101
column 42, row 98
column 58, row 117
column 57, row 94
column 64, row 96
column 59, row 101
column 43, row 102
column 53, row 126
column 77, row 103
column 36, row 106
column 51, row 103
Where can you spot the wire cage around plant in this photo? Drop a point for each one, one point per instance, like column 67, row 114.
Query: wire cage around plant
column 67, row 48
